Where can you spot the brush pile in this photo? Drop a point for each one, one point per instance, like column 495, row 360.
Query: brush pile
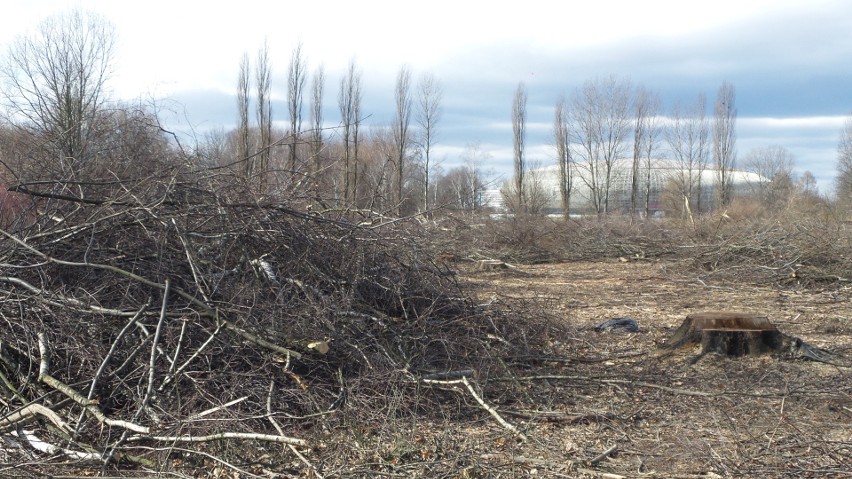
column 138, row 322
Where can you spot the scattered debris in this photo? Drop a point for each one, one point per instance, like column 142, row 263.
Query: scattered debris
column 627, row 325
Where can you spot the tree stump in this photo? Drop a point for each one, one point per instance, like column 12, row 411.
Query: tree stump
column 740, row 334
column 728, row 333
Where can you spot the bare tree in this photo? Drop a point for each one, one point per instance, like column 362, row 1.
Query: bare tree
column 460, row 188
column 243, row 118
column 264, row 116
column 400, row 129
column 428, row 114
column 349, row 102
column 538, row 196
column 317, row 87
column 562, row 143
column 463, row 187
column 296, row 78
column 377, row 170
column 648, row 145
column 688, row 140
column 843, row 181
column 601, row 121
column 474, row 158
column 55, row 80
column 807, row 187
column 724, row 141
column 774, row 165
column 519, row 133
column 645, row 109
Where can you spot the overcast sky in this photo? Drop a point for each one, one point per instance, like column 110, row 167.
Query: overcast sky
column 790, row 61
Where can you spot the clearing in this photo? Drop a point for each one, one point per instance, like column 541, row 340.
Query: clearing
column 667, row 415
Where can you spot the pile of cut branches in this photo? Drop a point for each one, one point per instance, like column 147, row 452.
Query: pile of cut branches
column 803, row 252
column 163, row 316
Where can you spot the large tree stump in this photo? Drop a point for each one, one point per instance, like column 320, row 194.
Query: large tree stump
column 728, row 333
column 739, row 334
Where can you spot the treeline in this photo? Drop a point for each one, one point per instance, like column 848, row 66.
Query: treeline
column 613, row 141
column 61, row 125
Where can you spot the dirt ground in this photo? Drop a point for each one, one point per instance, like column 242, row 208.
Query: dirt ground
column 666, row 415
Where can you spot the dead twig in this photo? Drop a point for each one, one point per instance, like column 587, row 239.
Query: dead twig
column 600, row 457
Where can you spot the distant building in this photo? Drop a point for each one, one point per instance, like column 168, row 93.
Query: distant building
column 665, row 177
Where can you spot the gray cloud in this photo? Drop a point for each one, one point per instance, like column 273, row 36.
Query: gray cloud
column 785, row 64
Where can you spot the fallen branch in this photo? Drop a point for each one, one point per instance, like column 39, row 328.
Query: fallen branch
column 600, row 457
column 481, row 402
column 493, row 411
column 222, row 436
column 217, row 408
column 177, row 372
column 28, row 412
column 628, row 382
column 527, row 460
column 45, row 447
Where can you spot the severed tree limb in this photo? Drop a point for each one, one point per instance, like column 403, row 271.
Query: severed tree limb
column 153, row 361
column 90, row 406
column 260, row 341
column 493, row 411
column 269, row 408
column 629, row 382
column 207, row 412
column 29, row 412
column 482, row 403
column 222, row 436
column 42, row 446
column 173, row 361
column 604, row 475
column 190, row 260
column 63, row 301
column 527, row 460
column 448, row 375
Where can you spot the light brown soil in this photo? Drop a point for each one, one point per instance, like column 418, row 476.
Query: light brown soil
column 667, row 415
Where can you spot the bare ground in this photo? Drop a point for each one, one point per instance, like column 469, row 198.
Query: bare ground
column 666, row 415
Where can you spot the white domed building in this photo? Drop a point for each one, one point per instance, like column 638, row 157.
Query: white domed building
column 665, row 176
